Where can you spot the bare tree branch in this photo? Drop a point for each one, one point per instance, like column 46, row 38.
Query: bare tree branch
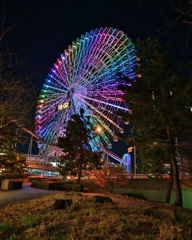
column 5, row 30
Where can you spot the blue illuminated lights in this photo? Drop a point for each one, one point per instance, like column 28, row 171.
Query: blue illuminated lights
column 86, row 75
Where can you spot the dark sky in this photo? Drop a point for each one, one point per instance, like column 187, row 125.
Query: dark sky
column 47, row 27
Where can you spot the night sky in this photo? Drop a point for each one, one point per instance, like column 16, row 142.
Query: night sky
column 47, row 27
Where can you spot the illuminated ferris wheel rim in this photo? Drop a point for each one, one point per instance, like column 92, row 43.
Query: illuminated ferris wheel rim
column 86, row 76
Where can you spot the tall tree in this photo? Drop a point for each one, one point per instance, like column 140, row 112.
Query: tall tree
column 76, row 145
column 18, row 94
column 160, row 110
column 177, row 16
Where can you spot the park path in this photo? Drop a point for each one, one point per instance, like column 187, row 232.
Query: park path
column 123, row 200
column 27, row 193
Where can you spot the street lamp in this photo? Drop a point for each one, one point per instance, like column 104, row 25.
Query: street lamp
column 130, row 150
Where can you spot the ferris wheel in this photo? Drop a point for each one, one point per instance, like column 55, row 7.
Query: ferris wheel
column 85, row 76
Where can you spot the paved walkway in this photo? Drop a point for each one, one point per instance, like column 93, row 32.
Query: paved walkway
column 27, row 193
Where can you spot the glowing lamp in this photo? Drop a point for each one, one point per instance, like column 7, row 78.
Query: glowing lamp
column 99, row 129
column 121, row 130
column 115, row 139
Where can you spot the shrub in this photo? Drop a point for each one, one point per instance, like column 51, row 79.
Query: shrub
column 110, row 177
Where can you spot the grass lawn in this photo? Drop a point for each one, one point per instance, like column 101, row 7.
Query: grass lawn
column 37, row 220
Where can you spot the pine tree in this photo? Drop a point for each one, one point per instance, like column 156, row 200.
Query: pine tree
column 76, row 145
column 160, row 103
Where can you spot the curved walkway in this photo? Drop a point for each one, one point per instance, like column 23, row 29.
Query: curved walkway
column 123, row 200
column 27, row 193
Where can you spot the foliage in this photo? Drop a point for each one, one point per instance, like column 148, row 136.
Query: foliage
column 76, row 146
column 12, row 175
column 177, row 16
column 17, row 93
column 10, row 160
column 160, row 101
column 4, row 176
column 90, row 220
column 110, row 177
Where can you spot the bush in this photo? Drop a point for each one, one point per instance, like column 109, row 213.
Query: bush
column 110, row 177
column 11, row 175
column 63, row 186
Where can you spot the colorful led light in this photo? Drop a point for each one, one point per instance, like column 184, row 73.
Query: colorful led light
column 86, row 75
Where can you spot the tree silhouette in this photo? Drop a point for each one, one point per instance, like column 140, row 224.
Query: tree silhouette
column 76, row 146
column 160, row 104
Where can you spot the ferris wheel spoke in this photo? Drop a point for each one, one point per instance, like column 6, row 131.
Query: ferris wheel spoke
column 105, row 129
column 91, row 52
column 57, row 80
column 86, row 76
column 66, row 78
column 94, row 59
column 105, row 126
column 109, row 59
column 99, row 112
column 50, row 89
column 102, row 102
